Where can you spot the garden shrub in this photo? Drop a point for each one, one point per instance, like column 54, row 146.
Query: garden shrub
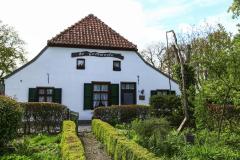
column 168, row 106
column 43, row 117
column 208, row 146
column 152, row 133
column 121, row 114
column 15, row 157
column 209, row 113
column 117, row 145
column 231, row 116
column 34, row 147
column 10, row 119
column 71, row 146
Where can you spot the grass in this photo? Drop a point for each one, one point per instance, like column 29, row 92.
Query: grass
column 174, row 147
column 34, row 147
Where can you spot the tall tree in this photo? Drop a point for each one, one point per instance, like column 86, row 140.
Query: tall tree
column 219, row 57
column 235, row 9
column 153, row 54
column 157, row 55
column 182, row 60
column 12, row 50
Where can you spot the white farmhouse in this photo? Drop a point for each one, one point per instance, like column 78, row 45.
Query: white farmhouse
column 86, row 66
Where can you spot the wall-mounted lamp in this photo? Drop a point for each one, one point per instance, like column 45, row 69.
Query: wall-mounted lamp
column 138, row 79
column 48, row 78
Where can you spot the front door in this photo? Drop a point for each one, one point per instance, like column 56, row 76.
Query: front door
column 128, row 93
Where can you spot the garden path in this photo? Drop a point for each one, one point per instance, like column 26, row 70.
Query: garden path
column 94, row 150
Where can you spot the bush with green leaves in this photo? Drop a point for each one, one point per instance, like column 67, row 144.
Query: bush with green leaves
column 117, row 145
column 168, row 106
column 10, row 119
column 209, row 113
column 14, row 157
column 151, row 132
column 121, row 114
column 71, row 146
column 208, row 146
column 41, row 117
column 34, row 147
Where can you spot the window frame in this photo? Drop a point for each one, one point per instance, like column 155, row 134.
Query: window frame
column 84, row 64
column 45, row 95
column 162, row 92
column 117, row 68
column 128, row 90
column 108, row 92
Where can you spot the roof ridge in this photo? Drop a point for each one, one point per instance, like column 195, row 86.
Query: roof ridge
column 91, row 31
column 111, row 28
column 68, row 28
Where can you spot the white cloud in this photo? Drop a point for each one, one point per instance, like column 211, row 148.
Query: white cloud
column 38, row 21
column 205, row 3
column 184, row 27
column 222, row 18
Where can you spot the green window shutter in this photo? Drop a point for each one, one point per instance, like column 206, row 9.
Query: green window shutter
column 114, row 94
column 88, row 100
column 57, row 97
column 32, row 95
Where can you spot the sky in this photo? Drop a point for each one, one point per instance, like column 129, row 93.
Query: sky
column 140, row 21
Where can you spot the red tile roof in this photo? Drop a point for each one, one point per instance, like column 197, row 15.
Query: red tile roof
column 91, row 32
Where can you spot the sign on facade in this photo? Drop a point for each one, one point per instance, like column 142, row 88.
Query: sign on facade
column 96, row 54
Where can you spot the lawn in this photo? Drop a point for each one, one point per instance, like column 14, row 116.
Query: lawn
column 34, row 147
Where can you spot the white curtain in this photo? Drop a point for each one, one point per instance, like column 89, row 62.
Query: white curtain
column 95, row 104
column 105, row 103
column 96, row 96
column 104, row 96
column 100, row 99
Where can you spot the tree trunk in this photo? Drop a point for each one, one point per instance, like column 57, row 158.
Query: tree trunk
column 223, row 113
column 180, row 59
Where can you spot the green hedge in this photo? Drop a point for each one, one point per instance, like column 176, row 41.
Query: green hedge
column 43, row 117
column 71, row 146
column 230, row 119
column 117, row 145
column 120, row 114
column 168, row 106
column 10, row 118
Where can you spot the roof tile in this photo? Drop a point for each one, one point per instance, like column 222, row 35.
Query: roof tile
column 91, row 32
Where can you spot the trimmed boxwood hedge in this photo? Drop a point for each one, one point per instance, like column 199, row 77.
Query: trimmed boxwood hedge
column 120, row 114
column 117, row 145
column 43, row 117
column 71, row 146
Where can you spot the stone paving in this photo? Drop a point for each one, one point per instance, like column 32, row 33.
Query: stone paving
column 94, row 150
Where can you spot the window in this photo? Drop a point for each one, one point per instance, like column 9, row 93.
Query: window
column 80, row 63
column 117, row 65
column 162, row 92
column 128, row 86
column 100, row 94
column 45, row 94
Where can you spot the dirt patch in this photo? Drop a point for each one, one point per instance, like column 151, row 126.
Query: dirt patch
column 94, row 150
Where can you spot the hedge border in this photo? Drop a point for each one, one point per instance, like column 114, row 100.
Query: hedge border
column 117, row 145
column 122, row 113
column 39, row 117
column 71, row 146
